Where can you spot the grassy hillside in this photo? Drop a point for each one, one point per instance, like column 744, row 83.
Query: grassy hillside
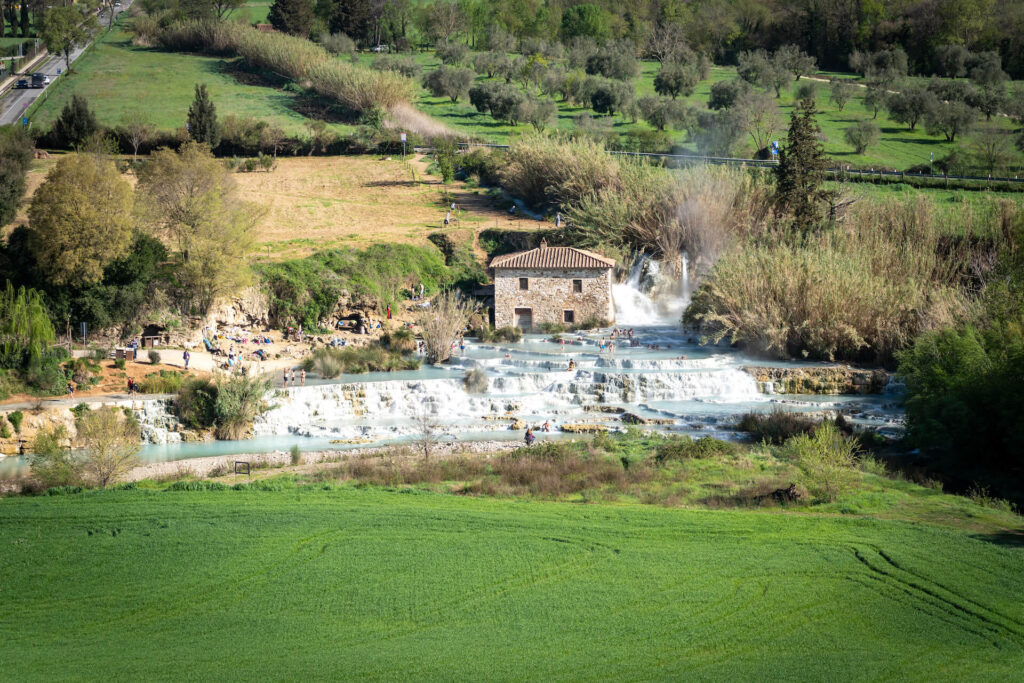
column 362, row 582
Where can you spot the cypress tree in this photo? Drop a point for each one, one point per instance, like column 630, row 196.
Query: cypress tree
column 801, row 171
column 76, row 123
column 292, row 16
column 202, row 119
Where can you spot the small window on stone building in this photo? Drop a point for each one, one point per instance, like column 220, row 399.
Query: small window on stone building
column 577, row 286
column 524, row 283
column 569, row 316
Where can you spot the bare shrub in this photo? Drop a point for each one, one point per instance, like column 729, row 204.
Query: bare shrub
column 443, row 322
column 777, row 426
column 111, row 442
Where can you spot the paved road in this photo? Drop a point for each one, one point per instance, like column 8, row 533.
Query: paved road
column 15, row 102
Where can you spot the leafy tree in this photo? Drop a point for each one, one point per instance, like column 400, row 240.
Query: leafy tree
column 875, row 99
column 586, row 21
column 609, row 96
column 539, row 113
column 614, row 61
column 725, row 93
column 805, row 91
column 950, row 119
column 675, row 79
column 445, row 153
column 191, row 196
column 662, row 113
column 884, row 67
column 450, row 82
column 751, row 65
column 796, row 61
column 842, row 92
column 910, row 105
column 987, row 70
column 452, row 53
column 801, row 170
column 352, row 17
column 15, row 156
column 65, row 27
column 294, row 17
column 988, row 99
column 111, row 440
column 952, row 60
column 76, row 123
column 81, row 220
column 25, row 328
column 861, row 135
column 202, row 118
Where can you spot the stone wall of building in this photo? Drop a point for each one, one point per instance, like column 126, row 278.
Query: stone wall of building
column 551, row 293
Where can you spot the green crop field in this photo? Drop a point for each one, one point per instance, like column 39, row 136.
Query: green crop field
column 371, row 583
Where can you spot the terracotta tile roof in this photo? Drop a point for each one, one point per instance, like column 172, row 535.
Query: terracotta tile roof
column 553, row 257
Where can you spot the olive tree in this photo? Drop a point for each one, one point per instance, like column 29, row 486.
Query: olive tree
column 861, row 135
column 450, row 82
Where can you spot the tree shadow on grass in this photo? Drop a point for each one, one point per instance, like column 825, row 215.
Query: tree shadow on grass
column 396, row 183
column 1011, row 538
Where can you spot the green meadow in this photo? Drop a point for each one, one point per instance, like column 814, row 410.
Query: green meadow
column 364, row 582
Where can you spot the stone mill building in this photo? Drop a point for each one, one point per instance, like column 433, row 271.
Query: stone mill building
column 562, row 285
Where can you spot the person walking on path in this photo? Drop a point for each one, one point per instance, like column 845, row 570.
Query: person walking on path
column 186, row 357
column 447, row 218
column 286, row 378
column 302, row 376
column 389, row 311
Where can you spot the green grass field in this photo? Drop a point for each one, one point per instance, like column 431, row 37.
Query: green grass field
column 116, row 77
column 371, row 583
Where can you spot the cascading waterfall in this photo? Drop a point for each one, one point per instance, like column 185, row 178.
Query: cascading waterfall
column 648, row 297
column 665, row 379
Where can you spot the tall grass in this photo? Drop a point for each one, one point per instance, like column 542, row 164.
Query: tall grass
column 549, row 170
column 859, row 291
column 331, row 362
column 355, row 87
column 700, row 210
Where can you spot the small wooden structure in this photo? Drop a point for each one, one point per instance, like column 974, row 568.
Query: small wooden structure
column 151, row 342
column 124, row 352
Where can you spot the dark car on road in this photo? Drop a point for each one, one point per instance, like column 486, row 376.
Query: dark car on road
column 22, row 83
column 40, row 80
